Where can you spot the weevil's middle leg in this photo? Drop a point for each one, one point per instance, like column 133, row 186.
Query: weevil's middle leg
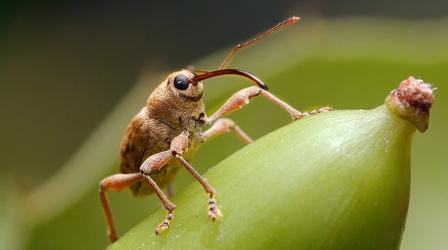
column 242, row 97
column 224, row 125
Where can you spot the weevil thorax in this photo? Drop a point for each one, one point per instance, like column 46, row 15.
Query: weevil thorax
column 178, row 102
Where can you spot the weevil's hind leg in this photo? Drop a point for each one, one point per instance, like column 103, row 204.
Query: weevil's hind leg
column 225, row 125
column 242, row 97
column 151, row 165
column 115, row 182
column 178, row 147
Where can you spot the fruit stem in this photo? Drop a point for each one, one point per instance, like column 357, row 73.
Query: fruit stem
column 412, row 100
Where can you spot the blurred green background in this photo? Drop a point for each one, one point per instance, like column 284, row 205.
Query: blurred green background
column 73, row 73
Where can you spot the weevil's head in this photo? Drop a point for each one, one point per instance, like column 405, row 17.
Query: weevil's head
column 184, row 89
column 180, row 84
column 177, row 98
column 181, row 93
column 185, row 86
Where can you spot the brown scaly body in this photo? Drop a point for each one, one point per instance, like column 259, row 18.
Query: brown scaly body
column 151, row 131
column 165, row 133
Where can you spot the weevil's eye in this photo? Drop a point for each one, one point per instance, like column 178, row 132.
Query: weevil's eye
column 181, row 82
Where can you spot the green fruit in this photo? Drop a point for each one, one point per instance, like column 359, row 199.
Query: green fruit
column 338, row 180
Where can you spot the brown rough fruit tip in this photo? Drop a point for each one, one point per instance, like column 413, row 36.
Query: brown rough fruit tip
column 412, row 101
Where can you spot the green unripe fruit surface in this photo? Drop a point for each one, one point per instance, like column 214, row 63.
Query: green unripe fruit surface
column 338, row 180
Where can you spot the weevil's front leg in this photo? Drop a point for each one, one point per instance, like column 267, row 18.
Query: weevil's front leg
column 224, row 125
column 242, row 97
column 178, row 147
column 151, row 165
column 117, row 183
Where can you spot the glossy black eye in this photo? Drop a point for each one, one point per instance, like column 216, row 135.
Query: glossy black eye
column 181, row 82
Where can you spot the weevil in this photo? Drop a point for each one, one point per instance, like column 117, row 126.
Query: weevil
column 162, row 137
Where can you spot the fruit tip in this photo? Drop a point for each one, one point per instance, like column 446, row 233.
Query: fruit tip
column 412, row 100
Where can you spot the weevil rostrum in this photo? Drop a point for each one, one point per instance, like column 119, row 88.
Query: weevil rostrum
column 162, row 137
